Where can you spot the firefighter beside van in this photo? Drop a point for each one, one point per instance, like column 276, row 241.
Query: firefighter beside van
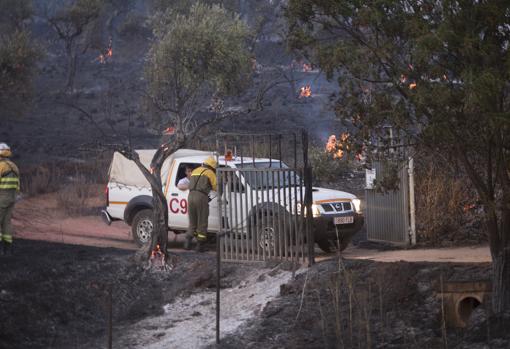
column 9, row 185
column 202, row 181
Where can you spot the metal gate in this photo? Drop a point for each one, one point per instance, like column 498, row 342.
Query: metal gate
column 389, row 216
column 262, row 198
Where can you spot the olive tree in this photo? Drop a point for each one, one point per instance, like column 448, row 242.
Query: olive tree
column 18, row 56
column 436, row 71
column 196, row 57
column 69, row 20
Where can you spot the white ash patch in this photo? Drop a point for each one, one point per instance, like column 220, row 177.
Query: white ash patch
column 190, row 322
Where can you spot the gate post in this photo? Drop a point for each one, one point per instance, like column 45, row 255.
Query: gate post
column 308, row 200
column 412, row 205
column 219, row 181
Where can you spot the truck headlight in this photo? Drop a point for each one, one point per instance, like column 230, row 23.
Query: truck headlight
column 357, row 204
column 315, row 210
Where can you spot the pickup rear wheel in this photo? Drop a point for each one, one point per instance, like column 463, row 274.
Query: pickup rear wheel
column 329, row 246
column 142, row 227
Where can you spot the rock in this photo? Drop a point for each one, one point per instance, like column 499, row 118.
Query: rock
column 206, row 302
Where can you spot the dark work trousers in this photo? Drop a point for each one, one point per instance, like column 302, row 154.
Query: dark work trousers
column 7, row 200
column 198, row 213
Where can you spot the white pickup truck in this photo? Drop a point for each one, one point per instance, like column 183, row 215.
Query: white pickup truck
column 129, row 198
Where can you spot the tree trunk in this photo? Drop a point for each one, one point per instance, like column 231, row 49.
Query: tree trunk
column 501, row 281
column 501, row 264
column 159, row 202
column 497, row 215
column 72, row 60
column 160, row 216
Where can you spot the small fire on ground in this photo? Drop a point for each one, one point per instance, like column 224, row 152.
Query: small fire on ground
column 107, row 54
column 305, row 91
column 157, row 258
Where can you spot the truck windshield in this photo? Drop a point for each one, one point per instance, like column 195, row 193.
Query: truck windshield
column 262, row 180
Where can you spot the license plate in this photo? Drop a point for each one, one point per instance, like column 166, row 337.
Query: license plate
column 344, row 220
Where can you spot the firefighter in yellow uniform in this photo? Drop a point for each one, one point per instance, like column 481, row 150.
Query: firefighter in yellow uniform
column 202, row 181
column 9, row 185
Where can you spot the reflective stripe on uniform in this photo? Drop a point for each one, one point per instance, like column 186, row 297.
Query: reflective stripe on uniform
column 200, row 236
column 9, row 183
column 6, row 237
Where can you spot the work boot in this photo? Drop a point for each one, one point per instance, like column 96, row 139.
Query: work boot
column 200, row 247
column 187, row 243
column 7, row 248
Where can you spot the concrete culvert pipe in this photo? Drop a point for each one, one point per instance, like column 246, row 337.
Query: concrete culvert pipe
column 465, row 307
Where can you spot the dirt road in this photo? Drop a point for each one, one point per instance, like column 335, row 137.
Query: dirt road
column 475, row 254
column 39, row 219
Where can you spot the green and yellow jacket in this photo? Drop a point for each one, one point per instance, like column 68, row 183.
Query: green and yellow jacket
column 9, row 175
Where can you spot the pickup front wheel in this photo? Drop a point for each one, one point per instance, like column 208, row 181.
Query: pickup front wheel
column 272, row 234
column 142, row 227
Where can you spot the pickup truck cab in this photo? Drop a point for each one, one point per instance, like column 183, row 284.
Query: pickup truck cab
column 129, row 198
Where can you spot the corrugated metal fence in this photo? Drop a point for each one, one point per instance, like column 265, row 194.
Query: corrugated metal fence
column 387, row 214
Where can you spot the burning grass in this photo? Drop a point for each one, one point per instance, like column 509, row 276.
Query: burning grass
column 305, row 91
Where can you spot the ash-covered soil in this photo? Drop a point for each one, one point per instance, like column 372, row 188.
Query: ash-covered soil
column 389, row 305
column 55, row 295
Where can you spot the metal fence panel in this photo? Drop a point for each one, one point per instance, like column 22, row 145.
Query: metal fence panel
column 261, row 214
column 387, row 214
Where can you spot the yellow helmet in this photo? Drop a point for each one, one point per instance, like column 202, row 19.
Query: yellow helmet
column 5, row 150
column 211, row 162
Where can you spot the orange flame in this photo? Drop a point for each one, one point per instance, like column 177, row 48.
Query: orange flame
column 305, row 91
column 229, row 155
column 336, row 146
column 344, row 137
column 412, row 85
column 156, row 251
column 107, row 54
column 169, row 131
column 469, row 207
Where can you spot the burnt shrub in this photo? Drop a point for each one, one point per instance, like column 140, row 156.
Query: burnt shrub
column 73, row 197
column 446, row 205
column 41, row 179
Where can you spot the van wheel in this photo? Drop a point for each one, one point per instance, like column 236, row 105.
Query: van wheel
column 142, row 227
